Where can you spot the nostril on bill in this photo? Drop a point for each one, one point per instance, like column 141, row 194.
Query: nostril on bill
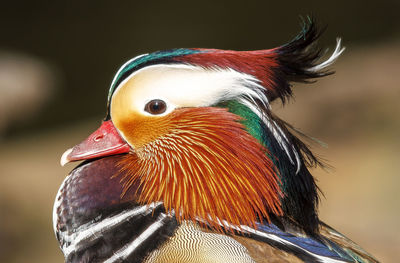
column 98, row 137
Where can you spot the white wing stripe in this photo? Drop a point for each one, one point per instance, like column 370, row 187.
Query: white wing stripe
column 94, row 230
column 127, row 250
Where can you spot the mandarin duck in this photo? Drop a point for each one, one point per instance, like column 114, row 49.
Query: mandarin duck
column 191, row 165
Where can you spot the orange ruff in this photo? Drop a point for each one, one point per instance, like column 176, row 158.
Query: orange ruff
column 205, row 166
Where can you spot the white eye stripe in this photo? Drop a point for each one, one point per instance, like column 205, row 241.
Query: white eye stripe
column 192, row 86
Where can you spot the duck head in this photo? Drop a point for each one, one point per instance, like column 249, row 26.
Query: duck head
column 192, row 129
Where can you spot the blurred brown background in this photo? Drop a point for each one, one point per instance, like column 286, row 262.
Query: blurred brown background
column 57, row 60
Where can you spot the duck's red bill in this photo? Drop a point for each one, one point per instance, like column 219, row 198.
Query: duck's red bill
column 104, row 141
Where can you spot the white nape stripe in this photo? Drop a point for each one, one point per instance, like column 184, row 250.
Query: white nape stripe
column 86, row 231
column 338, row 51
column 296, row 154
column 127, row 250
column 277, row 133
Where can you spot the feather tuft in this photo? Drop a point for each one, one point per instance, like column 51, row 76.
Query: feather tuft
column 300, row 60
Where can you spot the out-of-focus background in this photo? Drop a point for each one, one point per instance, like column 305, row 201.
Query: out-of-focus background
column 58, row 58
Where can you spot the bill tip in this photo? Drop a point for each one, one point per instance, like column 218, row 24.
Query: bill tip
column 64, row 158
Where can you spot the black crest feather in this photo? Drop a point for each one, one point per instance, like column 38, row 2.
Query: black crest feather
column 300, row 60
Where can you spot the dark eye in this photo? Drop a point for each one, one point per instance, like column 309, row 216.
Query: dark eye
column 156, row 107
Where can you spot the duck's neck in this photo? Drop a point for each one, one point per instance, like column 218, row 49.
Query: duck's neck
column 288, row 154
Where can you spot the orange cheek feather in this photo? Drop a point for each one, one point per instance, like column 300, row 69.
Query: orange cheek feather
column 139, row 130
column 201, row 163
